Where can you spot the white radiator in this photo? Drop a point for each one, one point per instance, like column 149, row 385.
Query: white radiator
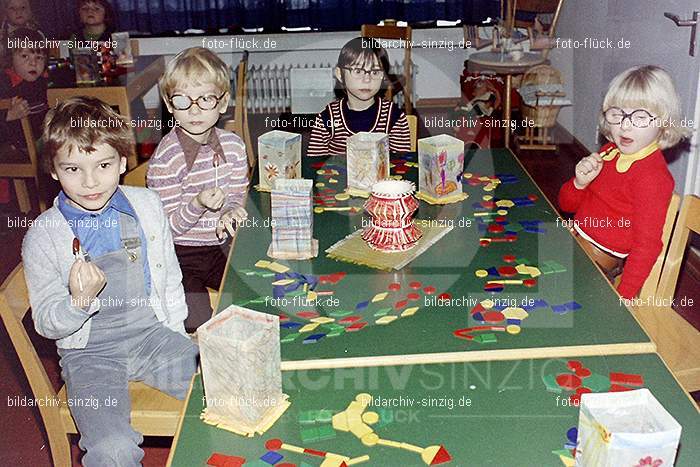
column 270, row 87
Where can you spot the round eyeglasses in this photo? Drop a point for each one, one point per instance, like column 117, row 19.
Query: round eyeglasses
column 360, row 73
column 639, row 118
column 206, row 102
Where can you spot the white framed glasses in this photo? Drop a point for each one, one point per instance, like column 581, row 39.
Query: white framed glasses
column 206, row 102
column 639, row 118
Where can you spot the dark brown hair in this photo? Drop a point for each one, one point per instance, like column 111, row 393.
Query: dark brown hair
column 20, row 34
column 363, row 48
column 84, row 122
column 110, row 16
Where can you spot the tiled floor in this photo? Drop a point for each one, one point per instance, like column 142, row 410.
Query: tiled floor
column 23, row 441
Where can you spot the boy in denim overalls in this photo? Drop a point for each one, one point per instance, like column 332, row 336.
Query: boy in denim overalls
column 113, row 298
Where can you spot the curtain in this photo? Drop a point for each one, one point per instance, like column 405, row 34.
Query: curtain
column 162, row 16
column 57, row 19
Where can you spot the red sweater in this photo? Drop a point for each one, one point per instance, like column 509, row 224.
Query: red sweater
column 625, row 212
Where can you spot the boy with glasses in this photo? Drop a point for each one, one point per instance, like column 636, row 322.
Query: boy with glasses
column 201, row 174
column 361, row 70
column 621, row 194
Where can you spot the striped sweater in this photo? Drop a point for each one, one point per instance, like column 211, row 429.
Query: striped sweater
column 178, row 187
column 337, row 122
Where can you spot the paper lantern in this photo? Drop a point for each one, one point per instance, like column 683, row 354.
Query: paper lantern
column 240, row 357
column 367, row 161
column 391, row 208
column 625, row 428
column 292, row 220
column 279, row 156
column 440, row 166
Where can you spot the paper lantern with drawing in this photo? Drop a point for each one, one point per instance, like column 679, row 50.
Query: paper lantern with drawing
column 279, row 156
column 440, row 166
column 240, row 357
column 367, row 161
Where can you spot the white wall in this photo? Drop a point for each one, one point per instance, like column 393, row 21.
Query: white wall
column 437, row 68
column 582, row 69
column 649, row 37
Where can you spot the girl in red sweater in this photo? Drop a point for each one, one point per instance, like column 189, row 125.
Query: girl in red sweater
column 621, row 194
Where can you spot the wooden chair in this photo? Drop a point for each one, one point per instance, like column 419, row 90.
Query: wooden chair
column 19, row 171
column 239, row 124
column 136, row 176
column 651, row 285
column 688, row 220
column 391, row 31
column 134, row 47
column 413, row 129
column 677, row 341
column 152, row 412
column 649, row 289
column 531, row 8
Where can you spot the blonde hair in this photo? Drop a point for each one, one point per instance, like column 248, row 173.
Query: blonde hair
column 84, row 122
column 195, row 65
column 648, row 87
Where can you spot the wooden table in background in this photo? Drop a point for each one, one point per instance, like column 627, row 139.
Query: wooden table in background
column 504, row 65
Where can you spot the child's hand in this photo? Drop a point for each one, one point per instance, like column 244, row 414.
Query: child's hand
column 230, row 220
column 211, row 198
column 587, row 169
column 19, row 108
column 85, row 282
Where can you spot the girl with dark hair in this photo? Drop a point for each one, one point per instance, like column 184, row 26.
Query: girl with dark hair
column 361, row 71
column 97, row 19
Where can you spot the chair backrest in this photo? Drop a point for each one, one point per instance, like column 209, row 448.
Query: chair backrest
column 134, row 47
column 21, row 170
column 688, row 220
column 649, row 289
column 14, row 305
column 413, row 130
column 404, row 33
column 531, row 8
column 5, row 104
column 136, row 176
column 240, row 113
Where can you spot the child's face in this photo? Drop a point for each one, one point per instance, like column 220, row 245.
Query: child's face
column 629, row 138
column 28, row 64
column 92, row 14
column 193, row 120
column 18, row 12
column 362, row 85
column 88, row 179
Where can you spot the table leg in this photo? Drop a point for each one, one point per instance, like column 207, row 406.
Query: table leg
column 509, row 83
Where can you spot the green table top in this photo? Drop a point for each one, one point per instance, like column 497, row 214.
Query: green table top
column 601, row 326
column 511, row 419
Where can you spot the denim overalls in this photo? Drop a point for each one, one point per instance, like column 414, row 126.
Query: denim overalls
column 127, row 343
